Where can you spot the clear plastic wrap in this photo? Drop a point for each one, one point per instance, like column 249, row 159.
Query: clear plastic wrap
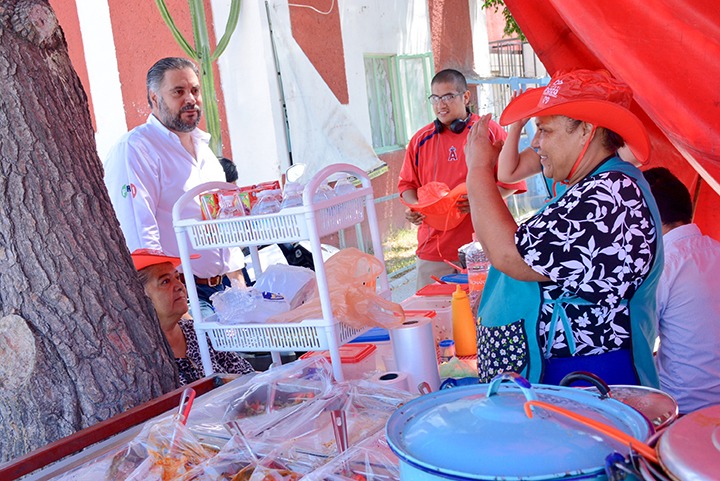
column 284, row 416
column 371, row 460
column 163, row 450
column 367, row 407
column 265, row 400
column 266, row 462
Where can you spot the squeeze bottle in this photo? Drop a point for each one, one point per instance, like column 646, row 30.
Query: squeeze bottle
column 463, row 324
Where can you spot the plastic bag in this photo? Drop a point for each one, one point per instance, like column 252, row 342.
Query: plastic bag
column 302, row 376
column 235, row 463
column 236, row 305
column 162, row 451
column 351, row 279
column 369, row 461
column 456, row 368
column 295, row 284
column 367, row 408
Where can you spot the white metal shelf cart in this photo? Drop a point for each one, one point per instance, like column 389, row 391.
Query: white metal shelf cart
column 311, row 222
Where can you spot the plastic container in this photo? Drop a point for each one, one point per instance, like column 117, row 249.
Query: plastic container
column 384, row 356
column 464, row 333
column 447, row 350
column 267, row 203
column 344, row 186
column 442, row 322
column 358, row 360
column 292, row 195
column 477, row 270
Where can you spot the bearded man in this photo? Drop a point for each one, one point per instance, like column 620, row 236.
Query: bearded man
column 155, row 163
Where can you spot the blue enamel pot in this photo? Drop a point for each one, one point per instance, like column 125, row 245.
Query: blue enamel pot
column 482, row 432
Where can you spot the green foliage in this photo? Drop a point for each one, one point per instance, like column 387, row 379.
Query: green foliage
column 399, row 250
column 512, row 29
column 202, row 55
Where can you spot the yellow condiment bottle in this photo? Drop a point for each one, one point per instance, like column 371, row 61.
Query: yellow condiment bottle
column 464, row 332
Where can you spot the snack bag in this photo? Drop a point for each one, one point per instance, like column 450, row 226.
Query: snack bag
column 209, row 206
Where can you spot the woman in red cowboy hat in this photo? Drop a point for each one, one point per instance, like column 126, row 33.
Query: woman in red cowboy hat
column 572, row 288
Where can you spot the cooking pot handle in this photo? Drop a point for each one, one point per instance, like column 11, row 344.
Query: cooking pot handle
column 523, row 383
column 593, row 379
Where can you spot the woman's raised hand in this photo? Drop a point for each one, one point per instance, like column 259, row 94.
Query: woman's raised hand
column 480, row 151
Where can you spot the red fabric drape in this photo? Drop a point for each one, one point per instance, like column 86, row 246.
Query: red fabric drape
column 669, row 54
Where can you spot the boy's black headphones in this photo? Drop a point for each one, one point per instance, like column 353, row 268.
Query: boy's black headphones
column 457, row 125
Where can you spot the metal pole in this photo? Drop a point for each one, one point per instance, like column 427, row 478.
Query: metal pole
column 280, row 85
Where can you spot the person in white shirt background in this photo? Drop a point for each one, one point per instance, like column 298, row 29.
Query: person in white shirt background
column 151, row 166
column 688, row 297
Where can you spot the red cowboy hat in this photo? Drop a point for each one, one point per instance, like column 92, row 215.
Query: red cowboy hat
column 589, row 95
column 143, row 258
column 437, row 203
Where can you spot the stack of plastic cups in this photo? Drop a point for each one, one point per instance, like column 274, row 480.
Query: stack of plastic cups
column 477, row 270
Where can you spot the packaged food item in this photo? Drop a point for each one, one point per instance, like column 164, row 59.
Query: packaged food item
column 229, row 204
column 244, row 197
column 209, row 206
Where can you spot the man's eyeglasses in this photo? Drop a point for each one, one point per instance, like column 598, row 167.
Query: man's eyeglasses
column 436, row 99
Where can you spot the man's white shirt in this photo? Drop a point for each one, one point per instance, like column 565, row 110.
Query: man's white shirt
column 146, row 172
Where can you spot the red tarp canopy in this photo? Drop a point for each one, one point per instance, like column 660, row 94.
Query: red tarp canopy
column 669, row 53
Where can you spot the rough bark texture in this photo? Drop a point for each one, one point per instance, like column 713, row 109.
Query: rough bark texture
column 79, row 341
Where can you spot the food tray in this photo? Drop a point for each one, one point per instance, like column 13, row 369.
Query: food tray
column 289, row 225
column 311, row 334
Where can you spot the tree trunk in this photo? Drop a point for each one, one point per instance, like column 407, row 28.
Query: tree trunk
column 79, row 340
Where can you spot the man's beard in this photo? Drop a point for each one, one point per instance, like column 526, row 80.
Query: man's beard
column 175, row 122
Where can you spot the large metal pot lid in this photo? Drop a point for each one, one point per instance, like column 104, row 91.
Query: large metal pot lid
column 482, row 431
column 689, row 448
column 658, row 406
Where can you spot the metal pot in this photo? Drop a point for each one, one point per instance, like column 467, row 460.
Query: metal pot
column 689, row 449
column 659, row 407
column 482, row 432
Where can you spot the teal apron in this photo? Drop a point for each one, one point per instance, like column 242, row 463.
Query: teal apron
column 515, row 306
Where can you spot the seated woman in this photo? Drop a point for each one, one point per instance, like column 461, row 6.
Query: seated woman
column 572, row 288
column 162, row 284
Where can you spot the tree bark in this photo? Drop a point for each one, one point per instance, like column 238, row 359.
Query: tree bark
column 79, row 340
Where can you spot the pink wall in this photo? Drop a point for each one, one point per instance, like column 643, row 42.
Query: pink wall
column 495, row 24
column 450, row 32
column 141, row 38
column 66, row 13
column 320, row 38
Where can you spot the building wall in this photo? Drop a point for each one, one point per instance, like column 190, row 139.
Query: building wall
column 112, row 43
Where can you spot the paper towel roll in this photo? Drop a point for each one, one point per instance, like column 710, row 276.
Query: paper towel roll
column 414, row 348
column 395, row 380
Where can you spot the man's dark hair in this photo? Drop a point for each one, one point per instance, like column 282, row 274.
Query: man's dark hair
column 157, row 72
column 672, row 197
column 231, row 173
column 451, row 75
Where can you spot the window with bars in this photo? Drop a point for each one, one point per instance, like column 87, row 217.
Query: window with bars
column 398, row 87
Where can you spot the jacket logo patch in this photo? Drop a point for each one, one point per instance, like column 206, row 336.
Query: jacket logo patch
column 452, row 155
column 128, row 189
